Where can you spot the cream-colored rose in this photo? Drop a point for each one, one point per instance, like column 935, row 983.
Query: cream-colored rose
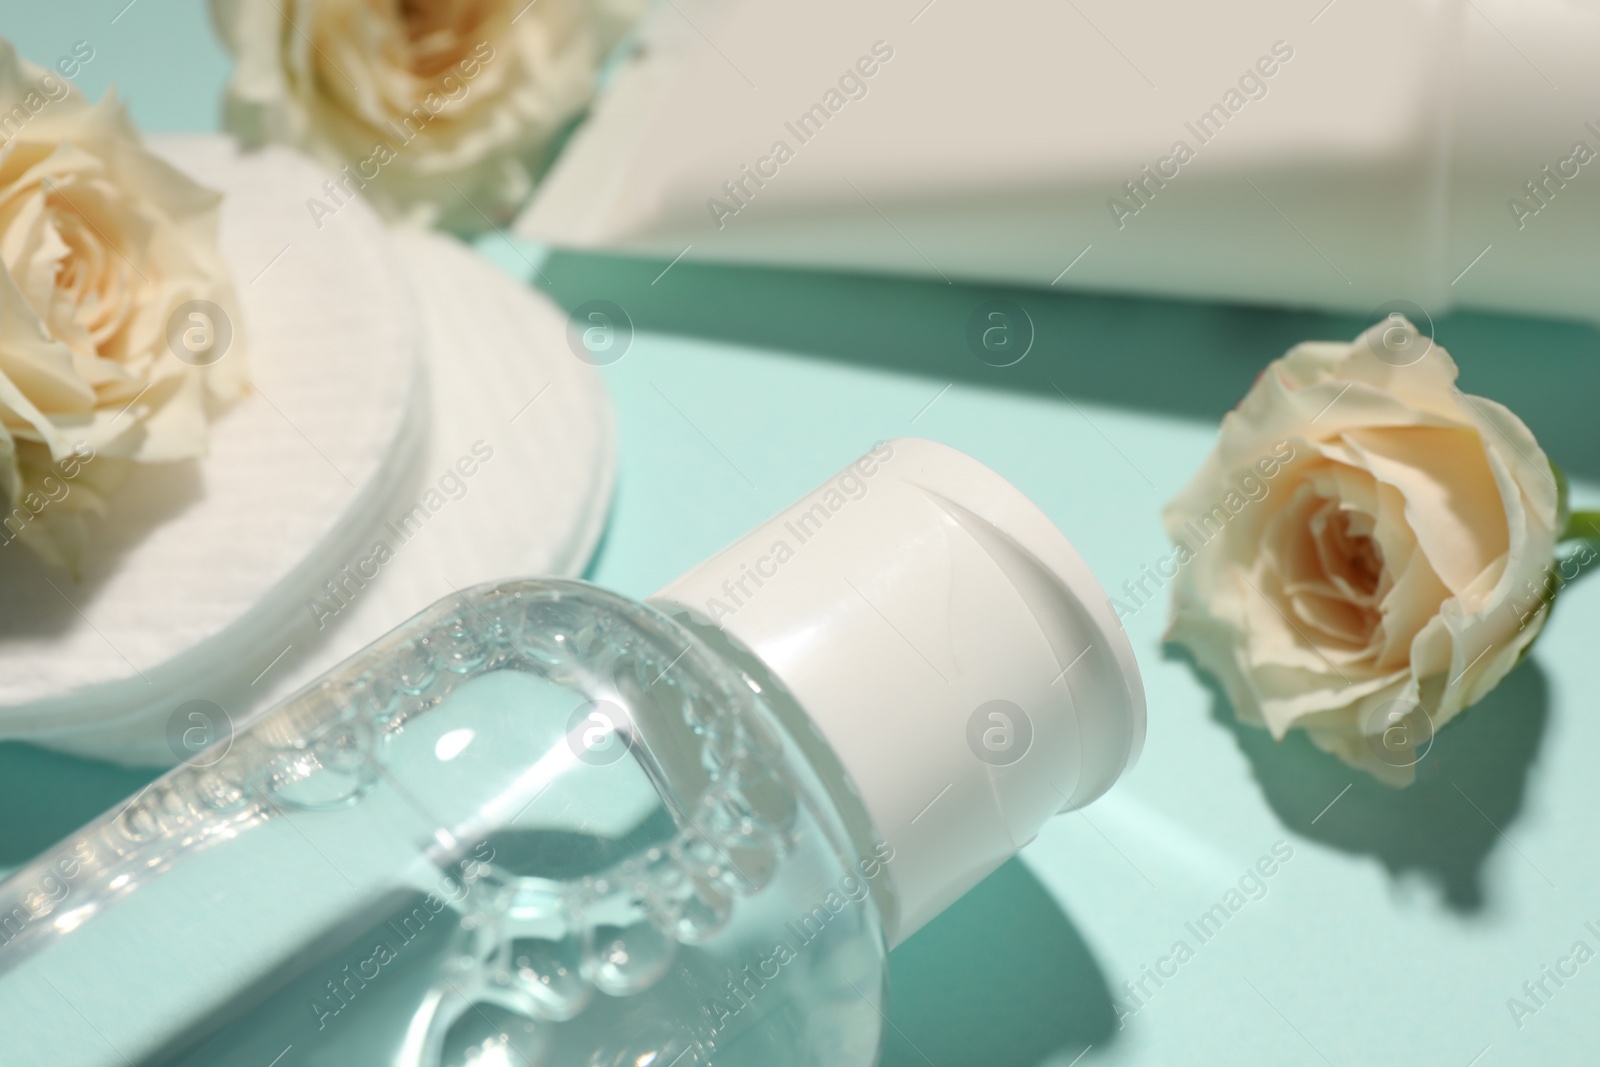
column 1362, row 554
column 438, row 111
column 100, row 244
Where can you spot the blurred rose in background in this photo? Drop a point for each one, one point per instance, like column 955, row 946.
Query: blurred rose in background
column 440, row 112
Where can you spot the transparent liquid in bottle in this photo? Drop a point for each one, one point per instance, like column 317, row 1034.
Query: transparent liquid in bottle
column 538, row 825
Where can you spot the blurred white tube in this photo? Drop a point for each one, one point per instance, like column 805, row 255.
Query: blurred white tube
column 1342, row 154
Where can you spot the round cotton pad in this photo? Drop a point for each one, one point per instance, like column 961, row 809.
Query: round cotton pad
column 417, row 424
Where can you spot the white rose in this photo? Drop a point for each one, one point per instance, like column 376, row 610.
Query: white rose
column 101, row 243
column 437, row 111
column 1366, row 551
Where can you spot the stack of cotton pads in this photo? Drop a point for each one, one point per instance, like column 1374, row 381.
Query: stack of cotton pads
column 417, row 424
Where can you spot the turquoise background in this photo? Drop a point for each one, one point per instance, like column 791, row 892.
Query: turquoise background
column 1402, row 922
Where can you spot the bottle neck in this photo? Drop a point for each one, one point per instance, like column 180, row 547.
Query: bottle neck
column 864, row 839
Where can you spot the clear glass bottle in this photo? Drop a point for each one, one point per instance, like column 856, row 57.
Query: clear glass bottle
column 541, row 824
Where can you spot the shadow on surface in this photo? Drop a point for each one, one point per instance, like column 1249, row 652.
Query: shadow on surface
column 1171, row 357
column 1469, row 787
column 1001, row 979
column 38, row 812
column 147, row 496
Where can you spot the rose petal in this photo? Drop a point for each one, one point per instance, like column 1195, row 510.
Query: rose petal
column 1452, row 502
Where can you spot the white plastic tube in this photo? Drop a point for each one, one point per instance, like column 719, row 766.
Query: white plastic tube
column 1342, row 155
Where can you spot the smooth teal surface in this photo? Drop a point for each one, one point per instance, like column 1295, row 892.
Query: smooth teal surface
column 1403, row 920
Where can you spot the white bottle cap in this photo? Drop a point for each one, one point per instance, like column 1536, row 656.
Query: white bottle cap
column 951, row 647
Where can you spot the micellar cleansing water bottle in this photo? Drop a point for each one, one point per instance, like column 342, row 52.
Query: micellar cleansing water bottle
column 541, row 824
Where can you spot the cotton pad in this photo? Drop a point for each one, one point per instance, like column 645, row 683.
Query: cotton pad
column 417, row 423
